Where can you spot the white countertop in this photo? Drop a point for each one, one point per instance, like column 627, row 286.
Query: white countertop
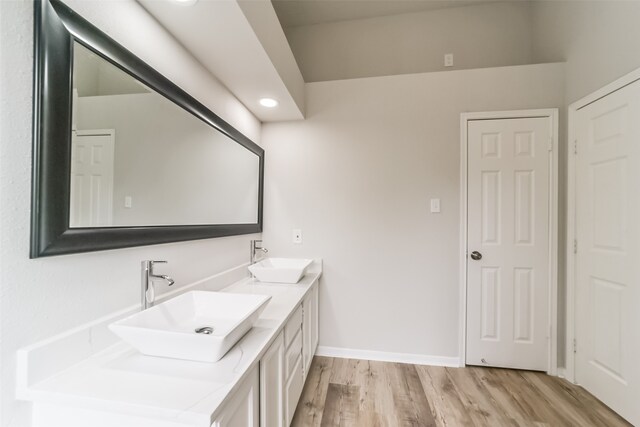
column 119, row 379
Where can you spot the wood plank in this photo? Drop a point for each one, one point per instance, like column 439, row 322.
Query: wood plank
column 601, row 410
column 341, row 406
column 412, row 407
column 570, row 406
column 539, row 407
column 479, row 404
column 371, row 419
column 360, row 393
column 343, row 371
column 504, row 403
column 311, row 404
column 447, row 407
column 580, row 406
column 376, row 399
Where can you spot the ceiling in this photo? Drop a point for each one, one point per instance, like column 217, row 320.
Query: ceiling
column 243, row 44
column 220, row 36
column 294, row 13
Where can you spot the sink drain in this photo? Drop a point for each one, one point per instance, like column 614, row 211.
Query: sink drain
column 207, row 330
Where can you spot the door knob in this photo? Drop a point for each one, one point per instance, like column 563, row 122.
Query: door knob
column 475, row 255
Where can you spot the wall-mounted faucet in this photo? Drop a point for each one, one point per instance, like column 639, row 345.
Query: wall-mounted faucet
column 256, row 245
column 147, row 278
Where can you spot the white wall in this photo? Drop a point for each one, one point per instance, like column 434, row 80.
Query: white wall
column 39, row 298
column 356, row 177
column 489, row 35
column 599, row 40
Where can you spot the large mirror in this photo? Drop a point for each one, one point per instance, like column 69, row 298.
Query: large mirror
column 138, row 159
column 122, row 156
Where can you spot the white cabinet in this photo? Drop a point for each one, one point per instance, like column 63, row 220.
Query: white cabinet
column 292, row 328
column 294, row 375
column 309, row 328
column 242, row 407
column 293, row 353
column 269, row 396
column 272, row 376
column 293, row 390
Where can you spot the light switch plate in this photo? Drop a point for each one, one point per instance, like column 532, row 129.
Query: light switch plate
column 297, row 236
column 128, row 201
column 435, row 205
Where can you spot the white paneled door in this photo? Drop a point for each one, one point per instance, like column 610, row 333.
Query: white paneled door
column 92, row 162
column 607, row 285
column 508, row 247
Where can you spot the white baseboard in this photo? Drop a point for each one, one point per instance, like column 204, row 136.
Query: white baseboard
column 383, row 356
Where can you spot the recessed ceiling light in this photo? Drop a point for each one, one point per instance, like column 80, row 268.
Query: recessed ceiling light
column 268, row 102
column 186, row 2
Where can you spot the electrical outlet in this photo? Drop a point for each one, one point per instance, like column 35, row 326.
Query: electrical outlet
column 448, row 60
column 297, row 236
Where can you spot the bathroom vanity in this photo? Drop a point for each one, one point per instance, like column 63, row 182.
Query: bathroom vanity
column 257, row 383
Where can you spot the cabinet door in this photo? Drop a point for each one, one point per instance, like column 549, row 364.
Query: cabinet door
column 293, row 391
column 309, row 328
column 241, row 410
column 315, row 321
column 272, row 385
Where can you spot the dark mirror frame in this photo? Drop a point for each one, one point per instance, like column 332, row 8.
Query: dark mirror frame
column 56, row 28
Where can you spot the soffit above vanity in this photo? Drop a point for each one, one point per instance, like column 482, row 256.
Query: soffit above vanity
column 243, row 45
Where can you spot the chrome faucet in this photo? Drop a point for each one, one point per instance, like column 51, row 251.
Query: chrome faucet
column 147, row 278
column 256, row 245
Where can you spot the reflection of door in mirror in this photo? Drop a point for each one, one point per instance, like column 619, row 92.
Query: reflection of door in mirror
column 92, row 178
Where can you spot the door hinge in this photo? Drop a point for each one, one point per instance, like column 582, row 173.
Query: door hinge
column 550, row 144
column 575, row 246
column 575, row 346
column 575, row 147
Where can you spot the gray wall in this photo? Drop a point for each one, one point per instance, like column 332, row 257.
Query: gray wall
column 599, row 40
column 357, row 175
column 489, row 35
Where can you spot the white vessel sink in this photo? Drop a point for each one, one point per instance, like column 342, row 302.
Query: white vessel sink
column 280, row 270
column 170, row 329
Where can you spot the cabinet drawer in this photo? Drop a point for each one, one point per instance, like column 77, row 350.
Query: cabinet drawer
column 292, row 354
column 292, row 327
